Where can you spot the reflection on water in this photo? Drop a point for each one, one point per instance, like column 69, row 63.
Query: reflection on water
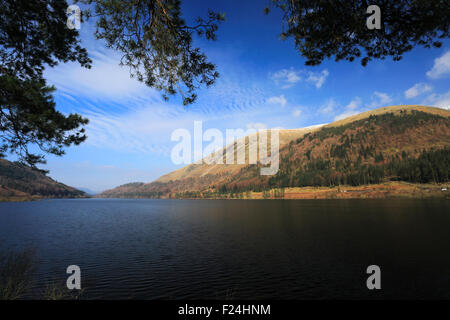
column 171, row 249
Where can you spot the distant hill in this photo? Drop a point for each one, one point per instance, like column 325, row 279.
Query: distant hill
column 399, row 143
column 88, row 191
column 20, row 182
column 126, row 190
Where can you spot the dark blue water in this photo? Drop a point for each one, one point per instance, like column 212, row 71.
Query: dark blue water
column 173, row 249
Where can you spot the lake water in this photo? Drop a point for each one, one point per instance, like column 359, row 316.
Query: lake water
column 237, row 249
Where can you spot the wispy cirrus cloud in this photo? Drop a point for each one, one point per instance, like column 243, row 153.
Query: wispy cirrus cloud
column 143, row 130
column 106, row 80
column 287, row 78
column 227, row 96
column 129, row 117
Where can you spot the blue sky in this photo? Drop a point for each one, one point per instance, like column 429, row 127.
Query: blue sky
column 263, row 83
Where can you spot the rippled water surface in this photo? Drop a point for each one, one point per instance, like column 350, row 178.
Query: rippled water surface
column 224, row 249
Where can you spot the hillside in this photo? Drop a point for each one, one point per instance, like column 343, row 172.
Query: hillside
column 126, row 190
column 19, row 182
column 196, row 171
column 400, row 143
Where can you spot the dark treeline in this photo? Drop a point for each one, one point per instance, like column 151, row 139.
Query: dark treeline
column 430, row 166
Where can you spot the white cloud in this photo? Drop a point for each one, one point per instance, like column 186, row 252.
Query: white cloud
column 438, row 100
column 382, row 98
column 281, row 100
column 417, row 90
column 287, row 78
column 355, row 106
column 351, row 109
column 345, row 114
column 234, row 96
column 296, row 113
column 256, row 126
column 329, row 106
column 147, row 129
column 318, row 78
column 355, row 103
column 441, row 67
column 143, row 130
column 379, row 99
column 105, row 80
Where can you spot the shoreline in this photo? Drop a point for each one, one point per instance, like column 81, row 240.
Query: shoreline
column 34, row 198
column 387, row 190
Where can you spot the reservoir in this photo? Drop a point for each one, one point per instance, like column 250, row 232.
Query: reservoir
column 236, row 249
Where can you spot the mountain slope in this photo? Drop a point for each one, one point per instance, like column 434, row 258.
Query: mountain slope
column 20, row 182
column 196, row 171
column 400, row 143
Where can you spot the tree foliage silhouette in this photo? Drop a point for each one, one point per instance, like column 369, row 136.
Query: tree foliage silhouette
column 33, row 34
column 156, row 43
column 322, row 28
